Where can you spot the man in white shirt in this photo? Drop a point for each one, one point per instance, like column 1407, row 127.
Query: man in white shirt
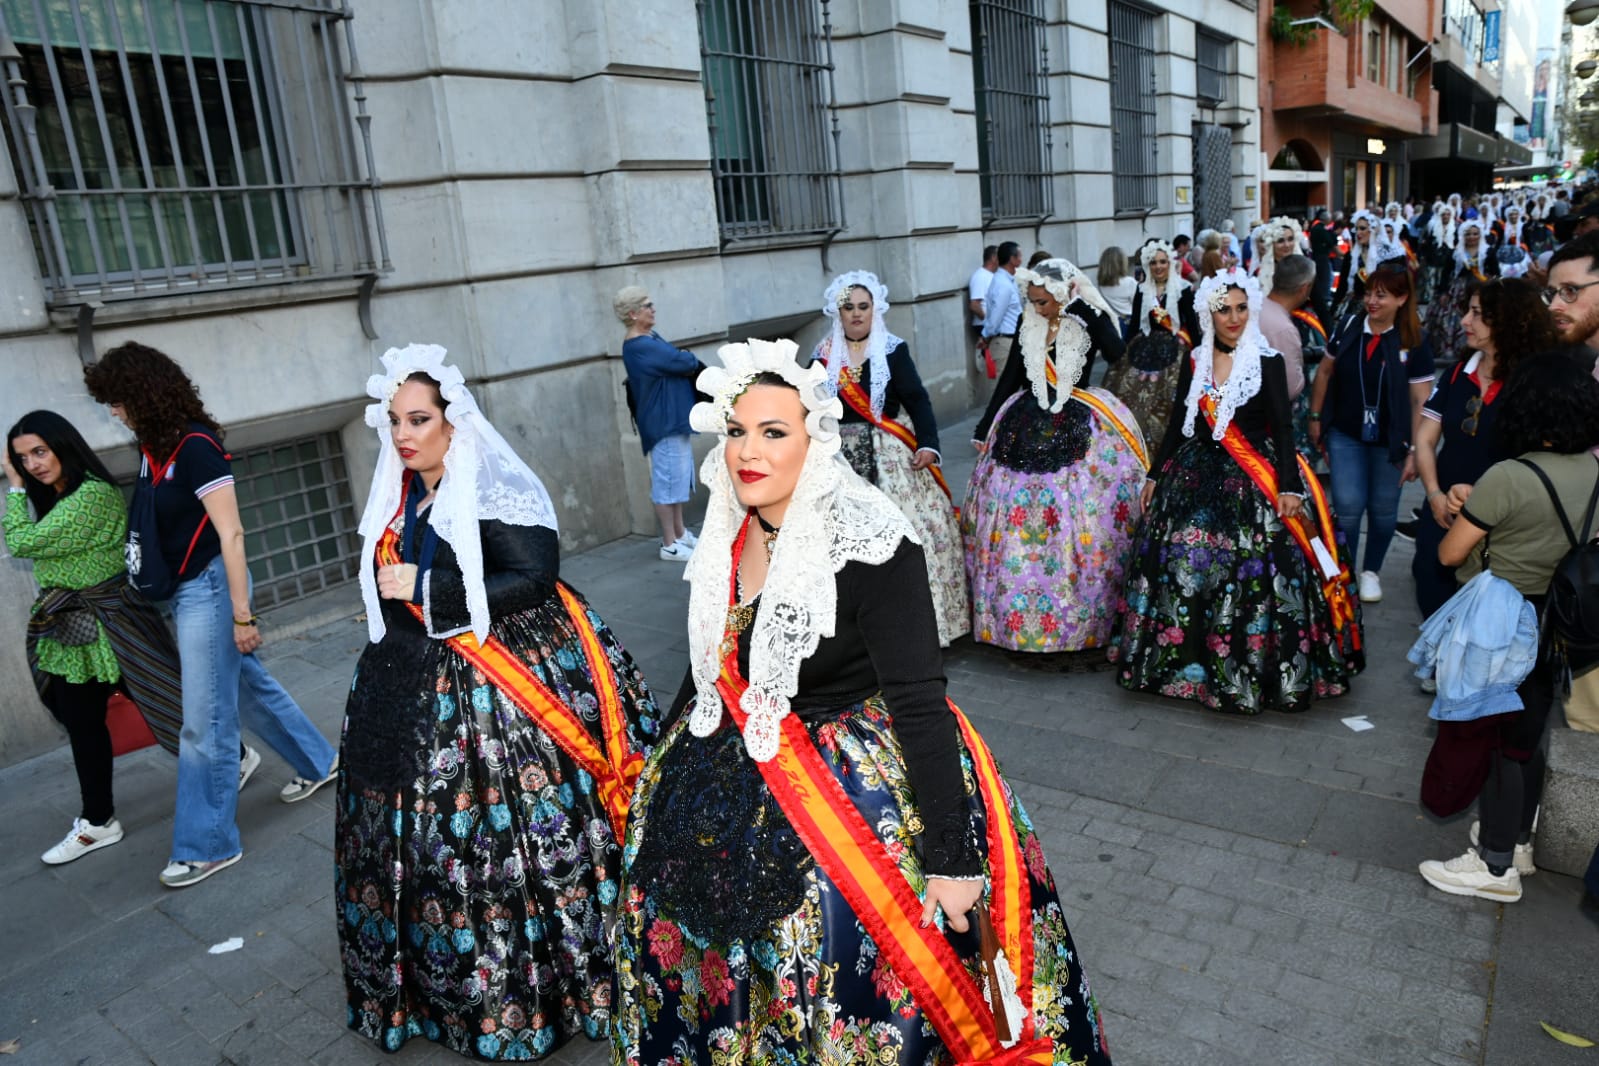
column 1290, row 288
column 1003, row 305
column 977, row 287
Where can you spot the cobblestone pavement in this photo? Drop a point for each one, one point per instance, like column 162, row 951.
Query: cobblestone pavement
column 1242, row 890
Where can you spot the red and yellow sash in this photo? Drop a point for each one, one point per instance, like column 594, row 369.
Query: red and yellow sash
column 1162, row 318
column 614, row 768
column 855, row 858
column 1309, row 318
column 1264, row 475
column 850, row 391
column 1134, row 439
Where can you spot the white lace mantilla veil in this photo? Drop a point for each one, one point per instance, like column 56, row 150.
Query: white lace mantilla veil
column 1244, row 381
column 834, row 517
column 1265, row 237
column 1461, row 254
column 483, row 479
column 834, row 351
column 1072, row 340
column 1373, row 250
column 1176, row 285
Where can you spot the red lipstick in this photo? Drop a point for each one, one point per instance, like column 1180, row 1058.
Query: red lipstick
column 750, row 477
column 406, row 453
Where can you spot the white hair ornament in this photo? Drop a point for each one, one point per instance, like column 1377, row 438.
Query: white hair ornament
column 1175, row 286
column 834, row 350
column 1065, row 283
column 1244, row 381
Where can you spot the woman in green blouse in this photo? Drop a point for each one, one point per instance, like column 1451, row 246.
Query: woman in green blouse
column 89, row 634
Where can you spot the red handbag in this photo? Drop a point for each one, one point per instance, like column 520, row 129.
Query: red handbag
column 129, row 730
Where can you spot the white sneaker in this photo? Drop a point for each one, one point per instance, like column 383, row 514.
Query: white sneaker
column 1429, row 685
column 689, row 538
column 1370, row 587
column 300, row 788
column 1523, row 853
column 247, row 764
column 1468, row 875
column 679, row 552
column 183, row 874
column 83, row 838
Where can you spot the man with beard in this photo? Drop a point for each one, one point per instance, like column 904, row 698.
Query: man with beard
column 1573, row 291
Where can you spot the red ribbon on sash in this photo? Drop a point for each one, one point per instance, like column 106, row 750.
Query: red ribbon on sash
column 850, row 391
column 615, row 768
column 855, row 858
column 1264, row 475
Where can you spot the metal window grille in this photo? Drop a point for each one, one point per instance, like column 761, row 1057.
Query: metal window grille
column 768, row 67
column 294, row 498
column 172, row 146
column 1214, row 67
column 1010, row 66
column 1132, row 108
column 1374, row 55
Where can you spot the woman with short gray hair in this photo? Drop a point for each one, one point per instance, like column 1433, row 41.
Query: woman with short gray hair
column 660, row 391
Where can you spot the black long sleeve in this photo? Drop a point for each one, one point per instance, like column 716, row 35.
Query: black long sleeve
column 520, row 567
column 905, row 384
column 1280, row 420
column 1012, row 379
column 1174, row 425
column 1189, row 318
column 1105, row 339
column 1103, row 330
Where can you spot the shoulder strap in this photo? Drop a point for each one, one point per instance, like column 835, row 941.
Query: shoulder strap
column 1593, row 502
column 1554, row 498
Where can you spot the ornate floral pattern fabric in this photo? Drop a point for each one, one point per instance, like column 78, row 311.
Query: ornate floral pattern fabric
column 1045, row 550
column 477, row 872
column 811, row 987
column 1146, row 381
column 886, row 463
column 1221, row 605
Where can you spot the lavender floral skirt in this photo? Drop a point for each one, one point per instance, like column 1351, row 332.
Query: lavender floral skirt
column 1222, row 607
column 1045, row 548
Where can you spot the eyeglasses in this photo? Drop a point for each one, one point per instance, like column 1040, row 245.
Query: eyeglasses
column 1566, row 293
column 1473, row 415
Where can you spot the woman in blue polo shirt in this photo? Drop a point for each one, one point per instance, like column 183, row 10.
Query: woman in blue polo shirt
column 200, row 539
column 1367, row 398
column 1460, row 416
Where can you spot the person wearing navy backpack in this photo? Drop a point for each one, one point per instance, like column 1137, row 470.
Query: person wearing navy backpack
column 186, row 547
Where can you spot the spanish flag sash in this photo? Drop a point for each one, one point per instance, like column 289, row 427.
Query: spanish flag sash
column 614, row 768
column 1134, row 439
column 855, row 858
column 1309, row 319
column 1313, row 541
column 850, row 391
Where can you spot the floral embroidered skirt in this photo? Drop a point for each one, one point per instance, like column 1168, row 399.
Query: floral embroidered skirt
column 1146, row 380
column 1048, row 518
column 1443, row 319
column 886, row 463
column 477, row 872
column 1222, row 606
column 735, row 947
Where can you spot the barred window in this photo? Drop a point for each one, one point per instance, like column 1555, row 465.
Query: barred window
column 294, row 499
column 1010, row 67
column 188, row 145
column 1214, row 65
column 1132, row 108
column 768, row 67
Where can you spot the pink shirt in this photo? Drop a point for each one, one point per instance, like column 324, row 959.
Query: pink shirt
column 1277, row 326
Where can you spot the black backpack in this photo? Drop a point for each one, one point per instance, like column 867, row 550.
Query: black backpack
column 148, row 569
column 1571, row 611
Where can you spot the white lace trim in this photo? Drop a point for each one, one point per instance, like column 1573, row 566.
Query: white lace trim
column 1464, row 261
column 1441, row 231
column 1244, row 382
column 1265, row 237
column 878, row 343
column 484, row 480
column 1071, row 351
column 834, row 518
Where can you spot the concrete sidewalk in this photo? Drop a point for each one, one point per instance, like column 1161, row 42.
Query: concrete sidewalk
column 1242, row 890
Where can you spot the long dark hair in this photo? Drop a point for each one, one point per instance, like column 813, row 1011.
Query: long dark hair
column 157, row 395
column 77, row 459
column 1517, row 317
column 1550, row 404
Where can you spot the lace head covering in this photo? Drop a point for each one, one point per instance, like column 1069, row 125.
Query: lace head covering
column 1394, row 210
column 1265, row 237
column 833, row 518
column 1367, row 258
column 483, row 480
column 834, row 351
column 1244, row 381
column 1176, row 285
column 1072, row 341
column 1442, row 228
column 1461, row 255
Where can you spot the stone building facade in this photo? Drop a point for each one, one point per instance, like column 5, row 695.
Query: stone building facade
column 484, row 174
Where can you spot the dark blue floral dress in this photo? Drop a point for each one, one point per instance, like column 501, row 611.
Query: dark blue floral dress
column 477, row 870
column 1221, row 606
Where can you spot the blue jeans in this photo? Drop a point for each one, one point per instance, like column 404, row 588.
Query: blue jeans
column 1364, row 484
column 220, row 686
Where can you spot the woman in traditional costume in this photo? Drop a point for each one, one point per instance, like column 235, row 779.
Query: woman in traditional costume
column 873, row 374
column 1052, row 502
column 1443, row 235
column 809, row 837
column 1474, row 263
column 1164, row 328
column 1235, row 596
column 491, row 739
column 1358, row 263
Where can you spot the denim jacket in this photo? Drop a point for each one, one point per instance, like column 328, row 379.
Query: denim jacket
column 1480, row 645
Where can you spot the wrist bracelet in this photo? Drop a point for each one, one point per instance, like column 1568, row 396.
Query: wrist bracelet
column 246, row 625
column 1315, row 416
column 1435, row 492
